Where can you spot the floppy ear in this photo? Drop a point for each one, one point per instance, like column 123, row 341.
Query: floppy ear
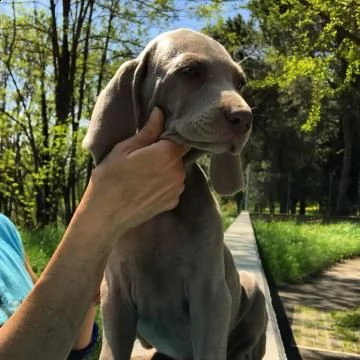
column 115, row 116
column 226, row 174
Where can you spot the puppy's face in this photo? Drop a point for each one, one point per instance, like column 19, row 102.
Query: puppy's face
column 197, row 84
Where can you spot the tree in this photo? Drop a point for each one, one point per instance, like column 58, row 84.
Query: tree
column 55, row 62
column 56, row 58
column 318, row 40
column 278, row 149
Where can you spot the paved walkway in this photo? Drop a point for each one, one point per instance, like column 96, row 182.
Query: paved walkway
column 309, row 306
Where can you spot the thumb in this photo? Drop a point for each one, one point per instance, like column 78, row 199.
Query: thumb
column 149, row 134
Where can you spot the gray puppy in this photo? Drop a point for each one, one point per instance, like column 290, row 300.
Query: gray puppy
column 172, row 281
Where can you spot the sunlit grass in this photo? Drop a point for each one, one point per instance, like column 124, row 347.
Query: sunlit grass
column 294, row 252
column 347, row 328
column 228, row 213
column 40, row 245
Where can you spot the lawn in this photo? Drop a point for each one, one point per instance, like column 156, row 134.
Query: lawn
column 40, row 245
column 347, row 328
column 294, row 252
column 335, row 331
column 291, row 253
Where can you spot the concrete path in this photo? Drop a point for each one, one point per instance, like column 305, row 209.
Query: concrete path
column 309, row 305
column 240, row 238
column 241, row 241
column 338, row 288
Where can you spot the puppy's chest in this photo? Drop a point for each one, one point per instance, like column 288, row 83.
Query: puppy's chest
column 163, row 254
column 164, row 244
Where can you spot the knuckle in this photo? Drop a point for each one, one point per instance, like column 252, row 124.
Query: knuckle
column 174, row 202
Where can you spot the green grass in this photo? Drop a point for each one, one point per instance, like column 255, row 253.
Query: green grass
column 335, row 331
column 228, row 213
column 349, row 319
column 294, row 252
column 347, row 327
column 40, row 245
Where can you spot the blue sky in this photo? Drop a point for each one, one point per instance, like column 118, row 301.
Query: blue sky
column 187, row 19
column 230, row 8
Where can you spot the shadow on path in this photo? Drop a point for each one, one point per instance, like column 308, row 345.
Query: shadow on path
column 336, row 289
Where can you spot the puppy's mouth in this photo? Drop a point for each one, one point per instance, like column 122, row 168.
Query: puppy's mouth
column 199, row 148
column 195, row 151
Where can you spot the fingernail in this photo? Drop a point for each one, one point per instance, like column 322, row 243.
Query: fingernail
column 155, row 111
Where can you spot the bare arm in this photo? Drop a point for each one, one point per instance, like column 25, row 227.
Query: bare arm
column 85, row 333
column 30, row 270
column 132, row 184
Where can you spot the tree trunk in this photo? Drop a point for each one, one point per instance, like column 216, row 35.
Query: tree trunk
column 293, row 206
column 342, row 205
column 302, row 207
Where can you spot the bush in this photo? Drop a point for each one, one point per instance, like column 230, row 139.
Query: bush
column 294, row 252
column 40, row 244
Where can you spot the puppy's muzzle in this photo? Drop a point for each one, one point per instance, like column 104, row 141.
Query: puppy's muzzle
column 240, row 119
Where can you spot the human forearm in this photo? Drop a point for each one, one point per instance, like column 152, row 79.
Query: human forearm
column 53, row 312
column 85, row 335
column 86, row 330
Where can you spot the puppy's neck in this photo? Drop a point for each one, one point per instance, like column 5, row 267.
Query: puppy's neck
column 197, row 194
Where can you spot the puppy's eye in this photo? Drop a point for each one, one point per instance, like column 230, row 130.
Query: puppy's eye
column 190, row 71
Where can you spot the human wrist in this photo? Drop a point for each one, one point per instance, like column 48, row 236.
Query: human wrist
column 99, row 210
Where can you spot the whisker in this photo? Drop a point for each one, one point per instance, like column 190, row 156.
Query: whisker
column 250, row 56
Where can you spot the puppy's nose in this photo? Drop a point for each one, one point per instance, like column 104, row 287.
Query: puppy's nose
column 240, row 118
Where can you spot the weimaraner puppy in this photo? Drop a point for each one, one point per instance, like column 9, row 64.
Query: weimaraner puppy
column 172, row 281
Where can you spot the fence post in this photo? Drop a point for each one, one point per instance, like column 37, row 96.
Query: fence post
column 247, row 187
column 330, row 193
column 288, row 193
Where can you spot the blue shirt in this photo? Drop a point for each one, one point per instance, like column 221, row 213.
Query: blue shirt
column 15, row 281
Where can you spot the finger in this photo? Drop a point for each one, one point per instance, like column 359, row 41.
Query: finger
column 149, row 134
column 177, row 150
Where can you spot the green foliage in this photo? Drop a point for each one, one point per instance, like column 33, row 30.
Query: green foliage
column 209, row 11
column 49, row 78
column 294, row 252
column 314, row 39
column 347, row 327
column 302, row 62
column 228, row 212
column 240, row 38
column 52, row 67
column 280, row 106
column 349, row 319
column 40, row 244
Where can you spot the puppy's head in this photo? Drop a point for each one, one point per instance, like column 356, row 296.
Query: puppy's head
column 195, row 82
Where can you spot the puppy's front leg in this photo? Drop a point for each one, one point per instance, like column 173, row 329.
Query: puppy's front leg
column 119, row 324
column 210, row 311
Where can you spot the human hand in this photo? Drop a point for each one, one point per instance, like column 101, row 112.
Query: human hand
column 140, row 177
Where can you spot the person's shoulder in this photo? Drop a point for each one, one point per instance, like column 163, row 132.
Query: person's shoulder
column 10, row 235
column 5, row 221
column 7, row 226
